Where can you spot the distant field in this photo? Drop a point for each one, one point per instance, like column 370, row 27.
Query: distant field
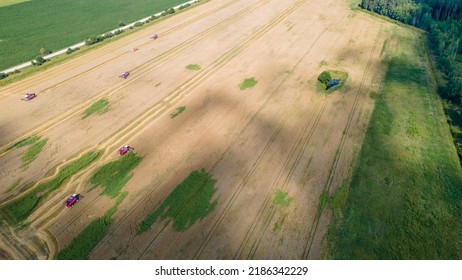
column 411, row 209
column 56, row 24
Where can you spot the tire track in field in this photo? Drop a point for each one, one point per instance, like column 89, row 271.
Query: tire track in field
column 288, row 158
column 231, row 201
column 58, row 168
column 333, row 169
column 182, row 91
column 51, row 74
column 157, row 109
column 270, row 26
column 163, row 58
column 267, row 203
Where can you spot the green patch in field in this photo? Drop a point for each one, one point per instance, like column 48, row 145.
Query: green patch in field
column 323, row 201
column 189, row 202
column 24, row 142
column 405, row 198
column 179, row 110
column 99, row 107
column 33, row 151
column 13, row 186
column 193, row 67
column 248, row 83
column 20, row 209
column 331, row 80
column 277, row 226
column 113, row 176
column 82, row 246
column 281, row 199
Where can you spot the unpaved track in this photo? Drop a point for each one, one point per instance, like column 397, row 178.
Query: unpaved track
column 280, row 135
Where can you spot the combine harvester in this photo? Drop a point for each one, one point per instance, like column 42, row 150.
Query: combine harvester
column 125, row 149
column 29, row 96
column 125, row 74
column 72, row 200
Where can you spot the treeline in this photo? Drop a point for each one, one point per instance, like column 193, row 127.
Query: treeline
column 443, row 21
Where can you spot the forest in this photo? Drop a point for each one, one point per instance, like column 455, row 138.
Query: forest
column 442, row 19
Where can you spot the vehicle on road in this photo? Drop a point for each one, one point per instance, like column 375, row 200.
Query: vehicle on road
column 154, row 36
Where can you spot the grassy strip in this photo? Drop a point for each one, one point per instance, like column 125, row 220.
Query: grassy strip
column 179, row 110
column 193, row 67
column 24, row 142
column 189, row 202
column 81, row 246
column 13, row 186
column 20, row 209
column 114, row 175
column 412, row 209
column 33, row 151
column 248, row 83
column 99, row 107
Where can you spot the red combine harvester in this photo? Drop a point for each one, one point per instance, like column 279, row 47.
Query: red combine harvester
column 125, row 74
column 29, row 96
column 125, row 149
column 73, row 199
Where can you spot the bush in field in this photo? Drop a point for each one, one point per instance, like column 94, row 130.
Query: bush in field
column 39, row 60
column 184, row 6
column 93, row 40
column 3, row 75
column 71, row 50
column 324, row 77
column 121, row 23
column 44, row 51
column 154, row 17
column 138, row 24
column 108, row 35
column 118, row 31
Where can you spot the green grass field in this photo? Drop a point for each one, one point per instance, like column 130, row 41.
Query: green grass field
column 35, row 147
column 81, row 246
column 186, row 204
column 99, row 107
column 24, row 142
column 21, row 208
column 33, row 151
column 405, row 197
column 114, row 175
column 56, row 24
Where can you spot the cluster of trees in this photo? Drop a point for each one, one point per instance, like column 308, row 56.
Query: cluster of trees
column 443, row 21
